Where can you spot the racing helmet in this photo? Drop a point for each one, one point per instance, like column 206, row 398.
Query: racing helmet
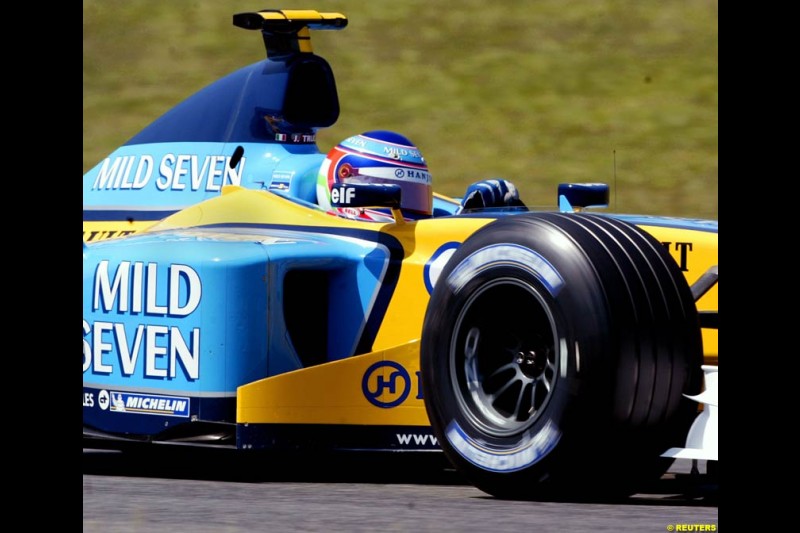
column 383, row 157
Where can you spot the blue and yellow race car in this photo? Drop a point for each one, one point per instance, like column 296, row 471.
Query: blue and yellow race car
column 226, row 303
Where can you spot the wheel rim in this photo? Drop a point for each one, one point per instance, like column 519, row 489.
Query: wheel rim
column 504, row 356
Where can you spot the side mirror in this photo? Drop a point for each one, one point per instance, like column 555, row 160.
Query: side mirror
column 577, row 196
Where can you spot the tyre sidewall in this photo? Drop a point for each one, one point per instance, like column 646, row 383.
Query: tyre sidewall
column 567, row 287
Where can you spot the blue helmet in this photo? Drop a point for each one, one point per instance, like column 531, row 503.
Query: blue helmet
column 378, row 157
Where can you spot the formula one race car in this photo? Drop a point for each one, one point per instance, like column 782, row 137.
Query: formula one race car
column 225, row 306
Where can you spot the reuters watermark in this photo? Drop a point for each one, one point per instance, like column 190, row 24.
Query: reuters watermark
column 691, row 527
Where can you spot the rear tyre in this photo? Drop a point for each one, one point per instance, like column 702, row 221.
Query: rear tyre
column 555, row 353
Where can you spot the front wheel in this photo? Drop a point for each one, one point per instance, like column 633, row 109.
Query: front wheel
column 556, row 349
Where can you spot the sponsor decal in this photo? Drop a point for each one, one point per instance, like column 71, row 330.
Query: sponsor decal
column 506, row 254
column 151, row 350
column 397, row 152
column 88, row 399
column 281, row 180
column 409, row 174
column 175, row 172
column 682, row 249
column 416, row 439
column 366, row 146
column 503, row 459
column 148, row 404
column 386, row 384
column 103, row 400
column 356, row 141
column 303, row 137
column 99, row 235
column 434, row 266
column 342, row 195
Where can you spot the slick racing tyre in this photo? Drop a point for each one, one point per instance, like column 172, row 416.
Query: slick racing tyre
column 555, row 352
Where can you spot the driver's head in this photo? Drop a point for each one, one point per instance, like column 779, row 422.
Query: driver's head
column 378, row 157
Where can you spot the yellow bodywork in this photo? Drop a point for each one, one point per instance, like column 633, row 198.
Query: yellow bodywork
column 98, row 231
column 337, row 392
column 696, row 252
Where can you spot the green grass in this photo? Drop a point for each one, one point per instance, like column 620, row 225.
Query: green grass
column 539, row 92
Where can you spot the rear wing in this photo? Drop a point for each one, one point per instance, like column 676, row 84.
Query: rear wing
column 286, row 31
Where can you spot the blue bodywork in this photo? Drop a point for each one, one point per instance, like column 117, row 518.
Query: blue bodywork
column 170, row 349
column 169, row 336
column 201, row 323
column 189, row 153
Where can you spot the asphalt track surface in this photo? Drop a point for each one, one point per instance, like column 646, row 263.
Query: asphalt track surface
column 177, row 490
